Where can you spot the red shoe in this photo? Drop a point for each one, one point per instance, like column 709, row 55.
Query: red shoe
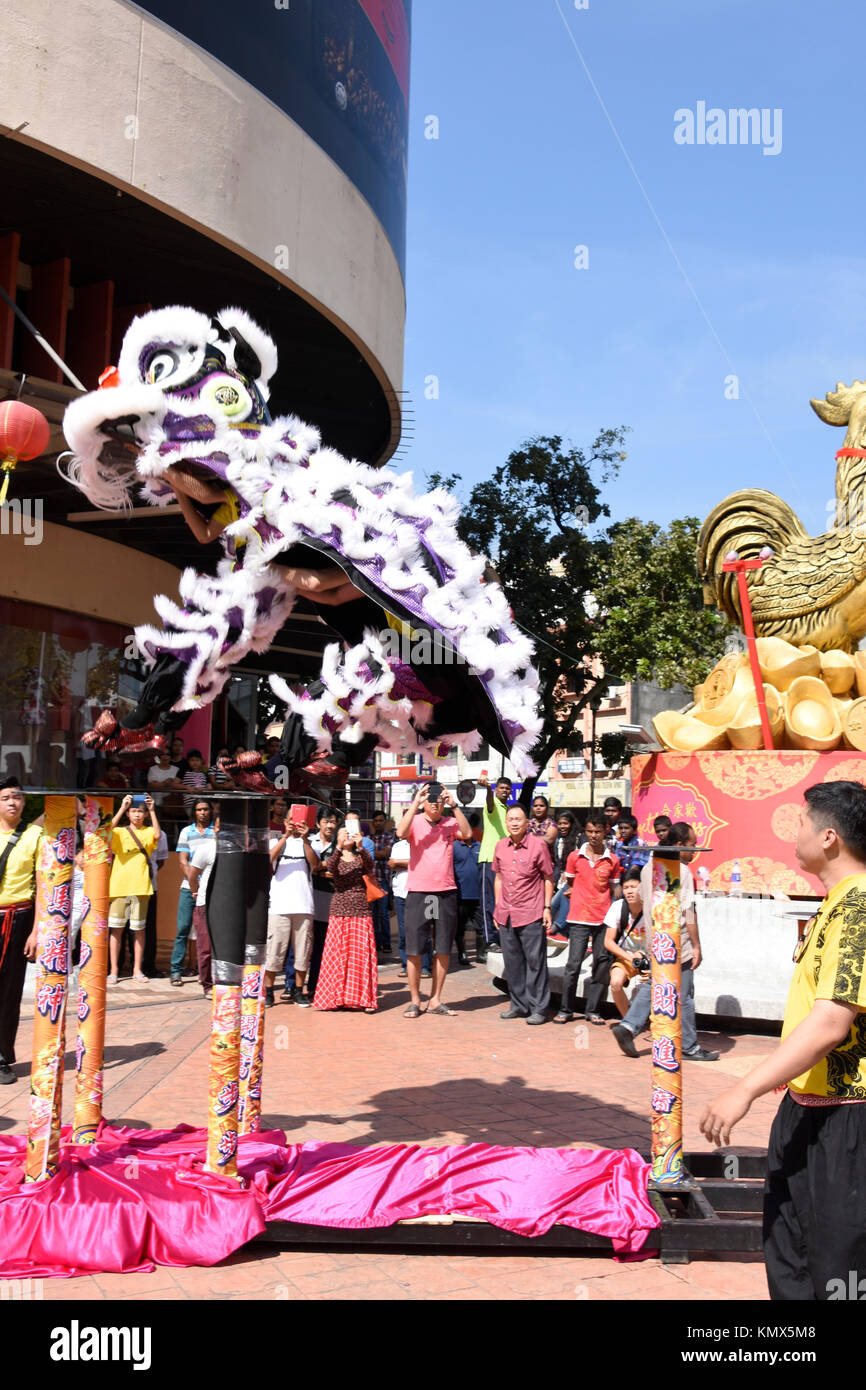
column 325, row 773
column 109, row 737
column 252, row 781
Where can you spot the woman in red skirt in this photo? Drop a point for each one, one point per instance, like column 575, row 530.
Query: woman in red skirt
column 348, row 977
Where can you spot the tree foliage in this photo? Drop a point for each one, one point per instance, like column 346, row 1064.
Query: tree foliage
column 652, row 624
column 533, row 520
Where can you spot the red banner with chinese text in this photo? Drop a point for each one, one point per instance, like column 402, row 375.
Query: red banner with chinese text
column 743, row 806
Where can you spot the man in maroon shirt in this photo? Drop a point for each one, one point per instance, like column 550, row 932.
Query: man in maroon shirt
column 523, row 879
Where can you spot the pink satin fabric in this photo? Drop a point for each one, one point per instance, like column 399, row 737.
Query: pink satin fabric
column 140, row 1198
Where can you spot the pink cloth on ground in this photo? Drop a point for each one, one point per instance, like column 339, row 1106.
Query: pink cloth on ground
column 140, row 1198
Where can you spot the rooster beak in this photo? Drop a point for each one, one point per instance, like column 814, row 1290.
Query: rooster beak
column 109, row 377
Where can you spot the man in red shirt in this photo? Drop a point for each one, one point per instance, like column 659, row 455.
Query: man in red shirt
column 431, row 897
column 594, row 873
column 523, row 885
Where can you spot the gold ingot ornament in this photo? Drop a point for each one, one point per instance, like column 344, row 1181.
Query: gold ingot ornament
column 745, row 730
column 838, row 670
column 811, row 717
column 781, row 662
column 854, row 725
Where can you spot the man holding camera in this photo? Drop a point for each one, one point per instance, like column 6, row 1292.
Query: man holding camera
column 431, row 897
column 290, row 910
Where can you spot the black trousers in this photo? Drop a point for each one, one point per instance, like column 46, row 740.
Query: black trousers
column 524, row 950
column 815, row 1203
column 578, row 935
column 320, row 931
column 148, row 963
column 12, row 982
column 469, row 915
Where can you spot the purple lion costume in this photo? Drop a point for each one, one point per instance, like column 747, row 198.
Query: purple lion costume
column 431, row 657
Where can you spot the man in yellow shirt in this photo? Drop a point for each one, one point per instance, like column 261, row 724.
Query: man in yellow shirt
column 17, row 932
column 815, row 1193
column 130, row 886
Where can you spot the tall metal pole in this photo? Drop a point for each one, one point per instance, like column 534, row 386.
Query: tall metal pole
column 734, row 565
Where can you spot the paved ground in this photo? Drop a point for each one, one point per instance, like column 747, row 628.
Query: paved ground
column 377, row 1079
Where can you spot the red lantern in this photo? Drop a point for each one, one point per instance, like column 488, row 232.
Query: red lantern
column 24, row 434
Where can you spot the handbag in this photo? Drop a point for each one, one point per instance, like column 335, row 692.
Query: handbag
column 374, row 891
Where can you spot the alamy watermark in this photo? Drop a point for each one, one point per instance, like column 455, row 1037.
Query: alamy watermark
column 715, row 125
column 22, row 517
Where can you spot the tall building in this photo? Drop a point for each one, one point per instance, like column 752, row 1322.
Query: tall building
column 195, row 153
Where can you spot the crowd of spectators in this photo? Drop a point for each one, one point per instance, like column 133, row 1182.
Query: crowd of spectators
column 508, row 877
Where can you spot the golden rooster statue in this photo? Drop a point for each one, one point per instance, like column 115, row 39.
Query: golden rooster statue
column 812, row 591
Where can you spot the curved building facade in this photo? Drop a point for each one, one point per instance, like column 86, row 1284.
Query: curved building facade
column 198, row 153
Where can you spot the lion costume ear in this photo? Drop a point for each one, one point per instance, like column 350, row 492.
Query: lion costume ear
column 254, row 353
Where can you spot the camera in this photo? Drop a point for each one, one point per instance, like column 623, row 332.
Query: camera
column 641, row 963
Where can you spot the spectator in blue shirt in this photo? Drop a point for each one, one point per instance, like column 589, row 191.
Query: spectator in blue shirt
column 467, row 872
column 631, row 851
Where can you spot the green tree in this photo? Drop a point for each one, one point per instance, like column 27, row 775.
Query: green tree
column 652, row 624
column 533, row 520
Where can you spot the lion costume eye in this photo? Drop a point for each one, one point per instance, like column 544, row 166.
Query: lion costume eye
column 169, row 367
column 163, row 364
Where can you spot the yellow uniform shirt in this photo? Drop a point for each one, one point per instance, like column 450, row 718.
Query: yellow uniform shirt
column 833, row 966
column 129, row 871
column 19, row 881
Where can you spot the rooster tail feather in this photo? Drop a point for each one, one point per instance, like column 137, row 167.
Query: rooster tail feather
column 745, row 522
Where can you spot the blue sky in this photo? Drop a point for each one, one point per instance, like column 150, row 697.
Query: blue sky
column 526, row 167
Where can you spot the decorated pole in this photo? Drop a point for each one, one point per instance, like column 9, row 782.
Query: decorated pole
column 734, row 565
column 258, row 875
column 225, row 910
column 92, row 971
column 55, row 862
column 666, row 1021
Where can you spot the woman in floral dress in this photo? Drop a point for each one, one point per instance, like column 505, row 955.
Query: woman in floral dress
column 348, row 975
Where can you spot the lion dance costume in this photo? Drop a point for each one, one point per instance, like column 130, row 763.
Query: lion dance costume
column 189, row 401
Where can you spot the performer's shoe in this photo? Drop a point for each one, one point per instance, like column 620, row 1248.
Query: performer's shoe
column 7, row 1075
column 513, row 1013
column 536, row 1018
column 320, row 772
column 108, row 736
column 247, row 772
column 700, row 1054
column 625, row 1039
column 269, row 997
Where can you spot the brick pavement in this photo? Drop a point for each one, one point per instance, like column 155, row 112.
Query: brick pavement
column 382, row 1079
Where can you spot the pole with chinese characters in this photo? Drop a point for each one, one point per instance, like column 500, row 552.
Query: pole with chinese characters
column 666, row 1022
column 732, row 564
column 92, row 970
column 56, row 858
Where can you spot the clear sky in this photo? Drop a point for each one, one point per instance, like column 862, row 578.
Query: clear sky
column 527, row 167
